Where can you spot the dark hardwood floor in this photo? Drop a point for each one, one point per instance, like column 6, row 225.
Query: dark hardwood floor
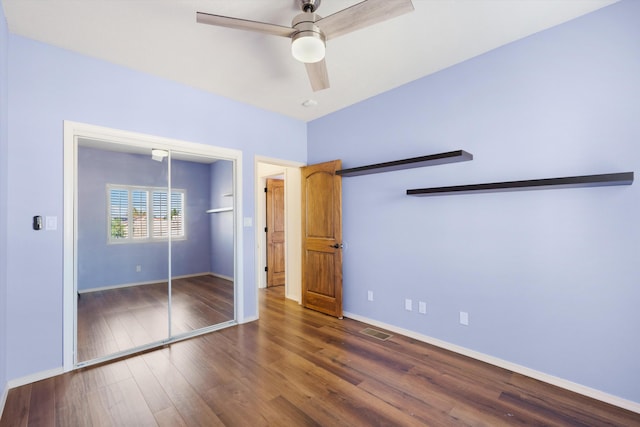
column 119, row 319
column 295, row 367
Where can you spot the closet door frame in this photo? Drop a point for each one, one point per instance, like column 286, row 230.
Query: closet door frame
column 73, row 132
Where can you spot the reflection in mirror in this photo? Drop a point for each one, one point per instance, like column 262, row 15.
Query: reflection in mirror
column 122, row 251
column 202, row 252
column 154, row 247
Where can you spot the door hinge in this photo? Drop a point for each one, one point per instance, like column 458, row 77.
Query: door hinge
column 265, row 189
column 266, row 230
column 266, row 269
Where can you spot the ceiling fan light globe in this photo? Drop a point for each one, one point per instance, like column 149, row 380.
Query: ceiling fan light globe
column 308, row 48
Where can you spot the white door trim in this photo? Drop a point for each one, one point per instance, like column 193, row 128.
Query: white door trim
column 265, row 167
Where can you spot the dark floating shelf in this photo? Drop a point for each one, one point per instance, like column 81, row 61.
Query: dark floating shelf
column 623, row 178
column 414, row 162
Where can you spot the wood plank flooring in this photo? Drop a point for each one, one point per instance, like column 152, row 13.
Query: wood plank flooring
column 296, row 367
column 119, row 319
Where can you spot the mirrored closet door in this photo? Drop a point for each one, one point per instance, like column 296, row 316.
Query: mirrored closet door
column 154, row 255
column 202, row 253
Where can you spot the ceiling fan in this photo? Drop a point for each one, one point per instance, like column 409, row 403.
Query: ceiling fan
column 309, row 32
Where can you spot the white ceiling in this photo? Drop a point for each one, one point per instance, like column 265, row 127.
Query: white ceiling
column 161, row 37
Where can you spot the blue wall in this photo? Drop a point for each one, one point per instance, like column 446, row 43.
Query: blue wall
column 549, row 278
column 4, row 153
column 48, row 85
column 221, row 223
column 101, row 264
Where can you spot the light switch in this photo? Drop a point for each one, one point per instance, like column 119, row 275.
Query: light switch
column 51, row 223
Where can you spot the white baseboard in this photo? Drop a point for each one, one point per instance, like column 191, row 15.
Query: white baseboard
column 221, row 276
column 532, row 373
column 110, row 287
column 151, row 282
column 293, row 297
column 3, row 399
column 248, row 319
column 38, row 376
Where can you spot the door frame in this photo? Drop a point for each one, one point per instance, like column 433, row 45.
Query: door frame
column 266, row 167
column 71, row 133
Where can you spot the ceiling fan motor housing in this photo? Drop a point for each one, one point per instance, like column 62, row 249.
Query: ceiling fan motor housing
column 305, row 23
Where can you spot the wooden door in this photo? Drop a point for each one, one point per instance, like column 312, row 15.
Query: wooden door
column 322, row 238
column 275, row 232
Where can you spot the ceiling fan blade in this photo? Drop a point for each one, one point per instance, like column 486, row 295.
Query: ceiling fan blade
column 362, row 15
column 318, row 75
column 244, row 24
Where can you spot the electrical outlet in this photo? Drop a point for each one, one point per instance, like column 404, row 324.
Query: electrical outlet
column 408, row 304
column 464, row 318
column 422, row 307
column 138, row 268
column 369, row 295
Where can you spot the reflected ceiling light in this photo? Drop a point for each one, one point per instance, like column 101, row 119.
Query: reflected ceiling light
column 158, row 155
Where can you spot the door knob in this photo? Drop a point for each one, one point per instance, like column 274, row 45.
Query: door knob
column 337, row 246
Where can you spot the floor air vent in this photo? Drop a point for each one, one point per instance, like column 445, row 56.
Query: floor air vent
column 382, row 336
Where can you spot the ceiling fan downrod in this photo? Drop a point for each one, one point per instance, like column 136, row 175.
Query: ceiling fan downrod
column 309, row 6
